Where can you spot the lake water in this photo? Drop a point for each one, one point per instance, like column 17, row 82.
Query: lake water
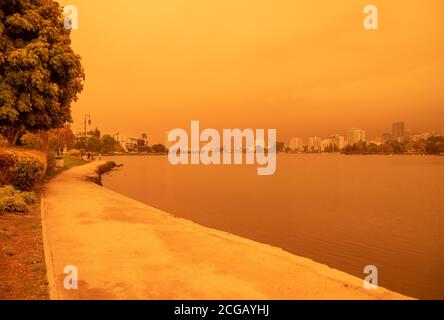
column 343, row 211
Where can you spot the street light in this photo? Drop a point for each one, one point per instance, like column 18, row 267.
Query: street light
column 87, row 116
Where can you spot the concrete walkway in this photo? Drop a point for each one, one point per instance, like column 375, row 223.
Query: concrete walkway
column 124, row 249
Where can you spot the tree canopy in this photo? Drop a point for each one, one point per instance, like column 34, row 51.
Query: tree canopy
column 40, row 74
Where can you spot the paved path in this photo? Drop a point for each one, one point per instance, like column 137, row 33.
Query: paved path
column 124, row 249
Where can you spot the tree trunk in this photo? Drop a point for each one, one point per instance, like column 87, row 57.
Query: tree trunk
column 12, row 135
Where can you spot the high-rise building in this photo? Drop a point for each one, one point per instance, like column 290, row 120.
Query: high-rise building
column 326, row 144
column 314, row 144
column 338, row 141
column 398, row 131
column 296, row 144
column 355, row 135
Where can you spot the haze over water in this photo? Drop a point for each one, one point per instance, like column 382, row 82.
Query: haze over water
column 343, row 211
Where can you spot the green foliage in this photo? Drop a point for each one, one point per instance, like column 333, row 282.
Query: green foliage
column 280, row 146
column 27, row 172
column 433, row 145
column 108, row 144
column 22, row 169
column 40, row 75
column 7, row 161
column 93, row 144
column 33, row 141
column 145, row 148
column 7, row 190
column 159, row 148
column 47, row 141
column 29, row 197
column 12, row 204
column 12, row 200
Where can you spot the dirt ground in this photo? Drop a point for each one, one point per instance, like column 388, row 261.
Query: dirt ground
column 22, row 262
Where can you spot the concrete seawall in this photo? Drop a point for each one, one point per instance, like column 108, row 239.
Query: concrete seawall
column 124, row 249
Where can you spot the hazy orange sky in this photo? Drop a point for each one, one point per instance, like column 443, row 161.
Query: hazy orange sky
column 305, row 67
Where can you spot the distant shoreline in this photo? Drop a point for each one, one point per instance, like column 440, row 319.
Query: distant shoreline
column 133, row 154
column 291, row 153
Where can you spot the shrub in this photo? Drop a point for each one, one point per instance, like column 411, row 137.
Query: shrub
column 13, row 200
column 13, row 203
column 7, row 191
column 106, row 167
column 22, row 169
column 33, row 141
column 6, row 165
column 28, row 197
column 27, row 172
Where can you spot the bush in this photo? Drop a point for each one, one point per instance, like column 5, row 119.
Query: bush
column 6, row 164
column 13, row 200
column 28, row 197
column 27, row 172
column 22, row 169
column 33, row 141
column 106, row 167
column 7, row 191
column 13, row 204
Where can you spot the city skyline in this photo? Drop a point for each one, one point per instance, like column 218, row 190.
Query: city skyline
column 153, row 67
column 383, row 135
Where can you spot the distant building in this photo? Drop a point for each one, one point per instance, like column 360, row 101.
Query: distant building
column 126, row 142
column 386, row 137
column 81, row 135
column 398, row 131
column 355, row 135
column 314, row 144
column 338, row 141
column 326, row 144
column 296, row 144
column 421, row 136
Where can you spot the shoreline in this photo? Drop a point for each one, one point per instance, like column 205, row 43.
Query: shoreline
column 289, row 153
column 119, row 243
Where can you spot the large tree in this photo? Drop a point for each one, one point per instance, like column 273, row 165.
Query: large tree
column 40, row 75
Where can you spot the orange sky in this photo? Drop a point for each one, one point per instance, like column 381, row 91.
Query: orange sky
column 305, row 67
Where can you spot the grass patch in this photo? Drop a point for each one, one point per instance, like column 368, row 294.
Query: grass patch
column 22, row 260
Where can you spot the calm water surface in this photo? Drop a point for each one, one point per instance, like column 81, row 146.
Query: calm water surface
column 343, row 211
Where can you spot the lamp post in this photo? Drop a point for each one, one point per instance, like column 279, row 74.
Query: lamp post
column 87, row 116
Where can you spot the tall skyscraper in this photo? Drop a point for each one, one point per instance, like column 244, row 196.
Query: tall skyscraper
column 355, row 135
column 398, row 130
